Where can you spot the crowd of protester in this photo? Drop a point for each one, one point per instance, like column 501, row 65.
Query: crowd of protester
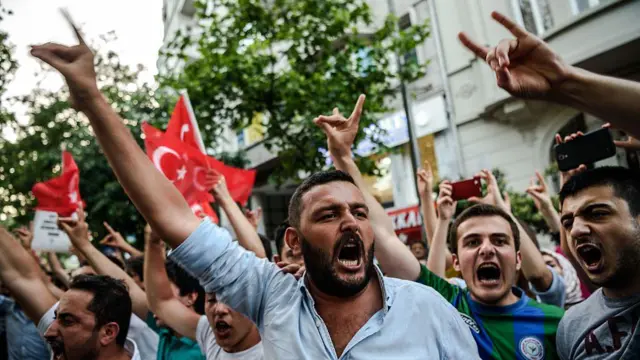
column 342, row 285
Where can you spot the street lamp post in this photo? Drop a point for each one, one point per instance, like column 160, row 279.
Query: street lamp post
column 413, row 141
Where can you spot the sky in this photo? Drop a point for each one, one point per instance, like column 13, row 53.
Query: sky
column 137, row 25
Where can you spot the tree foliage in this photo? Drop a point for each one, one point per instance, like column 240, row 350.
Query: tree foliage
column 290, row 61
column 51, row 124
column 8, row 66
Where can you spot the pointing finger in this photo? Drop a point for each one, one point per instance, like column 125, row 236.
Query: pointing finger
column 357, row 110
column 514, row 28
column 479, row 50
column 67, row 16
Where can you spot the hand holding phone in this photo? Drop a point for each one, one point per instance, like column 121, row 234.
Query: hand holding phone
column 465, row 189
column 587, row 149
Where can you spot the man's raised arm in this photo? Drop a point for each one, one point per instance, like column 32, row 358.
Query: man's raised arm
column 526, row 66
column 153, row 195
column 395, row 258
column 162, row 301
column 78, row 232
column 20, row 274
column 247, row 235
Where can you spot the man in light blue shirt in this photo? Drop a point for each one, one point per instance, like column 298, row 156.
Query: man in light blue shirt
column 343, row 308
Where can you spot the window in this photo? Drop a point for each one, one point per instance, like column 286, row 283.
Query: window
column 534, row 15
column 579, row 6
column 404, row 23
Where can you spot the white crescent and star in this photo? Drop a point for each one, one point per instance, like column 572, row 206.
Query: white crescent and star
column 157, row 158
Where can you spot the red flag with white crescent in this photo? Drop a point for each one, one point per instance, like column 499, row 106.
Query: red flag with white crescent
column 60, row 194
column 183, row 125
column 180, row 163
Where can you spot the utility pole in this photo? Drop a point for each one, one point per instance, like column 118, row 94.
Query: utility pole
column 413, row 140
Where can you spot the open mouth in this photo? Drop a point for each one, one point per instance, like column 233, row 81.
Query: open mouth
column 591, row 256
column 350, row 252
column 222, row 329
column 488, row 274
column 57, row 348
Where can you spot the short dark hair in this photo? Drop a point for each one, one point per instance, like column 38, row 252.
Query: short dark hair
column 319, row 178
column 186, row 283
column 279, row 235
column 135, row 265
column 266, row 244
column 111, row 301
column 625, row 184
column 481, row 210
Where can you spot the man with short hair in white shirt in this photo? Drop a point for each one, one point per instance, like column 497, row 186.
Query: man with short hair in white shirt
column 91, row 321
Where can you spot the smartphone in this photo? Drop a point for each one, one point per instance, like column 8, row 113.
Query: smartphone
column 587, row 149
column 466, row 188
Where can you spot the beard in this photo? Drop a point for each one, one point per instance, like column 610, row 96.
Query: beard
column 627, row 262
column 319, row 265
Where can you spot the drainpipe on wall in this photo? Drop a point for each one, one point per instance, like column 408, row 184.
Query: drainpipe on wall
column 448, row 96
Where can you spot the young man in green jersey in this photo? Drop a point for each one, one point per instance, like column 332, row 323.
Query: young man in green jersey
column 485, row 241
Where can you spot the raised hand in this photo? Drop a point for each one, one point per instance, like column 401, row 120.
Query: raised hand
column 425, row 179
column 446, row 205
column 77, row 230
column 25, row 236
column 114, row 238
column 493, row 196
column 525, row 66
column 218, row 185
column 294, row 269
column 341, row 132
column 538, row 191
column 75, row 63
column 565, row 175
column 254, row 216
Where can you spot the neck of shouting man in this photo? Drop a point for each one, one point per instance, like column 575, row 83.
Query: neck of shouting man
column 344, row 316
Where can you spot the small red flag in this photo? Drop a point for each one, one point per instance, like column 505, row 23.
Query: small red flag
column 60, row 194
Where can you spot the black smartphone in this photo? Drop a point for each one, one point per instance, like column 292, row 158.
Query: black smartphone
column 589, row 148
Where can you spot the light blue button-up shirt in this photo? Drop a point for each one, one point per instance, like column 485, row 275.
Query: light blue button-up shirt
column 414, row 323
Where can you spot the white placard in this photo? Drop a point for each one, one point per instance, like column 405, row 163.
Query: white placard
column 46, row 234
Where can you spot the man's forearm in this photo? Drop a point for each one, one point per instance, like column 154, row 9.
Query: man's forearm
column 611, row 99
column 156, row 280
column 103, row 266
column 551, row 217
column 437, row 259
column 154, row 196
column 247, row 236
column 57, row 269
column 21, row 275
column 128, row 248
column 160, row 297
column 395, row 258
column 533, row 265
column 430, row 217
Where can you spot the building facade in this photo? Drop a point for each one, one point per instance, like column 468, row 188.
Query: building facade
column 463, row 121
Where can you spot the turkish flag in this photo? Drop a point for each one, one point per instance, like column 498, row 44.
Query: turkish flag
column 60, row 194
column 239, row 181
column 182, row 164
column 183, row 125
